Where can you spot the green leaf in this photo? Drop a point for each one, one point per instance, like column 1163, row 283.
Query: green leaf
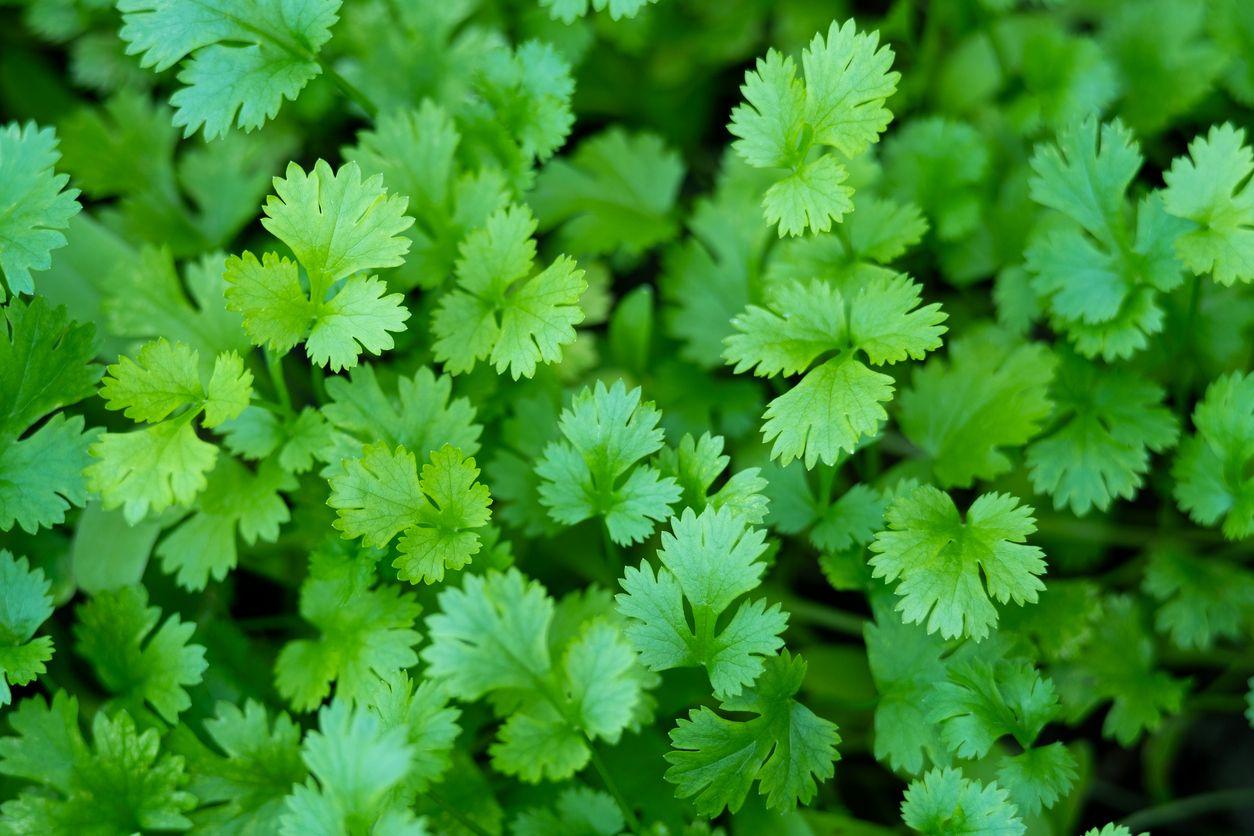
column 115, row 632
column 381, row 495
column 501, row 312
column 36, row 204
column 786, row 122
column 595, row 470
column 579, row 811
column 982, row 700
column 708, row 561
column 337, row 225
column 1214, row 480
column 1038, row 777
column 1211, row 187
column 1106, row 424
column 365, row 631
column 249, row 773
column 786, row 748
column 695, row 465
column 1200, row 599
column 235, row 502
column 24, row 605
column 244, row 61
column 615, row 193
column 568, row 11
column 993, row 393
column 149, row 470
column 122, row 783
column 354, row 762
column 839, row 401
column 942, row 803
column 41, row 471
column 430, row 724
column 1100, row 274
column 949, row 570
column 422, row 416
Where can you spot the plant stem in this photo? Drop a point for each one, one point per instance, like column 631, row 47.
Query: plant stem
column 457, row 815
column 354, row 94
column 821, row 615
column 633, row 823
column 274, row 365
column 1184, row 382
column 1186, row 808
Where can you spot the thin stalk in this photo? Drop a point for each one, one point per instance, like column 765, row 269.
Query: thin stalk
column 274, row 366
column 820, row 615
column 457, row 815
column 354, row 94
column 633, row 823
column 1184, row 809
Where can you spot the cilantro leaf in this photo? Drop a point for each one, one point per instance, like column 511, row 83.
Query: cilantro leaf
column 1214, row 481
column 578, row 810
column 709, row 561
column 165, row 463
column 36, row 204
column 45, row 365
column 840, row 400
column 492, row 637
column 24, row 605
column 416, row 153
column 697, row 463
column 338, row 226
column 430, row 724
column 942, row 802
column 940, row 165
column 785, row 123
column 244, row 60
column 422, row 416
column 115, row 632
column 1211, row 188
column 354, row 762
column 993, row 393
column 1100, row 274
column 365, row 631
column 595, row 472
column 249, row 781
column 381, row 495
column 122, row 783
column 948, row 569
column 1119, row 666
column 235, row 501
column 568, row 11
column 1200, row 599
column 616, row 193
column 1106, row 423
column 786, row 748
column 499, row 310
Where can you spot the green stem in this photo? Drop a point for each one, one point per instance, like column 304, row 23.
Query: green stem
column 274, row 365
column 633, row 823
column 821, row 615
column 1187, row 808
column 457, row 815
column 354, row 93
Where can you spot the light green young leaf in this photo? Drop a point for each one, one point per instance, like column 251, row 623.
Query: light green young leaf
column 499, row 311
column 786, row 123
column 950, row 570
column 594, row 470
column 709, row 561
column 839, row 401
column 381, row 495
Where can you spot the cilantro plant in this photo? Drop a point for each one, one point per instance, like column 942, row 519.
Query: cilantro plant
column 605, row 417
